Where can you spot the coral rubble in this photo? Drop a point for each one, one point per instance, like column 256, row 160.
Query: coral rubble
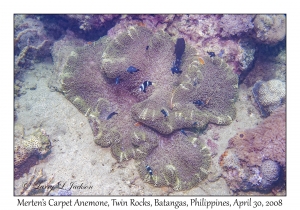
column 36, row 180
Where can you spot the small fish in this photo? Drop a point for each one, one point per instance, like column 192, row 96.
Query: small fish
column 207, row 101
column 201, row 60
column 194, row 124
column 132, row 69
column 118, row 80
column 137, row 124
column 111, row 115
column 149, row 170
column 211, row 54
column 184, row 133
column 145, row 85
column 198, row 102
column 221, row 53
column 141, row 24
column 147, row 47
column 164, row 112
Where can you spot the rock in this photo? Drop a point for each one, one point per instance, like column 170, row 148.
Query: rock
column 269, row 95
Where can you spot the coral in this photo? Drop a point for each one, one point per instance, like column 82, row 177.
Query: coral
column 194, row 27
column 33, row 185
column 36, row 144
column 153, row 22
column 270, row 29
column 203, row 32
column 179, row 163
column 256, row 157
column 268, row 138
column 85, row 26
column 31, row 43
column 270, row 171
column 229, row 160
column 247, row 49
column 269, row 95
column 88, row 22
column 236, row 24
column 270, row 64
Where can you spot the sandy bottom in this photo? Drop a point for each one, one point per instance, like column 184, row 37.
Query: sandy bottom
column 76, row 158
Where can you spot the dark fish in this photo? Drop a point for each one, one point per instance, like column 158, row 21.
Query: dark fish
column 184, row 133
column 118, row 80
column 175, row 69
column 194, row 124
column 164, row 112
column 132, row 69
column 147, row 47
column 111, row 115
column 145, row 85
column 149, row 170
column 179, row 48
column 211, row 54
column 198, row 102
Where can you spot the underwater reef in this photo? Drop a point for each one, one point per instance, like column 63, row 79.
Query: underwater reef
column 131, row 121
column 28, row 149
column 269, row 95
column 150, row 85
column 256, row 158
column 31, row 42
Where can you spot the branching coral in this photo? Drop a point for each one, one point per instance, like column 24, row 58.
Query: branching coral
column 32, row 186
